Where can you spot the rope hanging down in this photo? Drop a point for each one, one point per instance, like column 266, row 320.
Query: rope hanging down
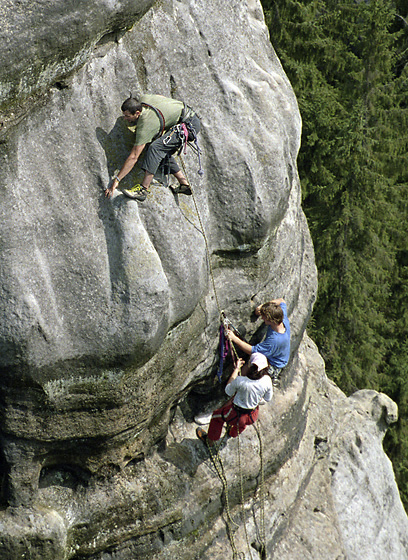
column 225, row 345
column 204, row 235
column 233, row 527
column 225, row 323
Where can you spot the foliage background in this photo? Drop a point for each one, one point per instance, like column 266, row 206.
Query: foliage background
column 347, row 62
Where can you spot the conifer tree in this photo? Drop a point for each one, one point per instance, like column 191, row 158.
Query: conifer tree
column 347, row 62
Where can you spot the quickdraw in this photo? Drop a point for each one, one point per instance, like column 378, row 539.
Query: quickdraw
column 224, row 349
column 225, row 344
column 188, row 137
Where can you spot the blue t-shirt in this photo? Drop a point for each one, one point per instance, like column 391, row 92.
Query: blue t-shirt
column 276, row 346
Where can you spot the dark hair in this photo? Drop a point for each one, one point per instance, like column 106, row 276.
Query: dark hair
column 255, row 373
column 132, row 105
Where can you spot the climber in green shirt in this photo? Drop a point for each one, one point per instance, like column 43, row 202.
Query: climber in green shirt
column 157, row 121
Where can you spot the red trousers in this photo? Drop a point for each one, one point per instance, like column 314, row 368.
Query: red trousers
column 237, row 420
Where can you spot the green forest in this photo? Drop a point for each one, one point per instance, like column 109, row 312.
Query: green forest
column 347, row 62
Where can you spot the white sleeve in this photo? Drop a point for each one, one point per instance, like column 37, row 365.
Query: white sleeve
column 269, row 390
column 232, row 387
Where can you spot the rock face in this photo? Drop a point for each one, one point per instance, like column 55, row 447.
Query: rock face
column 110, row 308
column 42, row 43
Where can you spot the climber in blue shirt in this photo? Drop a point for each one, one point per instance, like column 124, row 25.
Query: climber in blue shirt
column 276, row 345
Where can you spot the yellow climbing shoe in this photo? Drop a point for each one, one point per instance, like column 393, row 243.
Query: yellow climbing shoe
column 138, row 192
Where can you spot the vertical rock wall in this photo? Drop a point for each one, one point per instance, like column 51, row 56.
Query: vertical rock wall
column 110, row 308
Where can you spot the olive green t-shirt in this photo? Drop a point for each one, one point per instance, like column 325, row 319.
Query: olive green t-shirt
column 148, row 124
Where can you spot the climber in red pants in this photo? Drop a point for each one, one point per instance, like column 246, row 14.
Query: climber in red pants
column 243, row 409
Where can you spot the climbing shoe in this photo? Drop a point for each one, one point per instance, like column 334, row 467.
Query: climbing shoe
column 275, row 378
column 138, row 192
column 202, row 434
column 182, row 189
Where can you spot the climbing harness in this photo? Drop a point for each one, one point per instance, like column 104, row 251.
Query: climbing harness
column 188, row 136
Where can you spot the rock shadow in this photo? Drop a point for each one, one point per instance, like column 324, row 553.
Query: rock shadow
column 117, row 145
column 189, row 454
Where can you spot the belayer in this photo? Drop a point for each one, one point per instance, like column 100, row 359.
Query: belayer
column 162, row 124
column 276, row 345
column 243, row 409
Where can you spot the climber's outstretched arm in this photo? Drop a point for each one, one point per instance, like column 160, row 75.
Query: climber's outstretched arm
column 242, row 345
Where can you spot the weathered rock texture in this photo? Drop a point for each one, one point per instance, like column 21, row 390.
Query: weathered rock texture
column 108, row 339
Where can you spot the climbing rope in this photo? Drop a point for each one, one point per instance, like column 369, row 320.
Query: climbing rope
column 226, row 323
column 219, row 467
column 225, row 345
column 232, row 527
column 204, row 236
column 262, row 537
column 215, row 457
column 242, row 493
column 224, row 320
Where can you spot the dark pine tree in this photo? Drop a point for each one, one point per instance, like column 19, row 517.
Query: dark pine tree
column 347, row 62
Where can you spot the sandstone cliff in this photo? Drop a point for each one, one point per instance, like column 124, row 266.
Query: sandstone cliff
column 109, row 332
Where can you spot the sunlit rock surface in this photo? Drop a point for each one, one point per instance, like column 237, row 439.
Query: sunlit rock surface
column 110, row 308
